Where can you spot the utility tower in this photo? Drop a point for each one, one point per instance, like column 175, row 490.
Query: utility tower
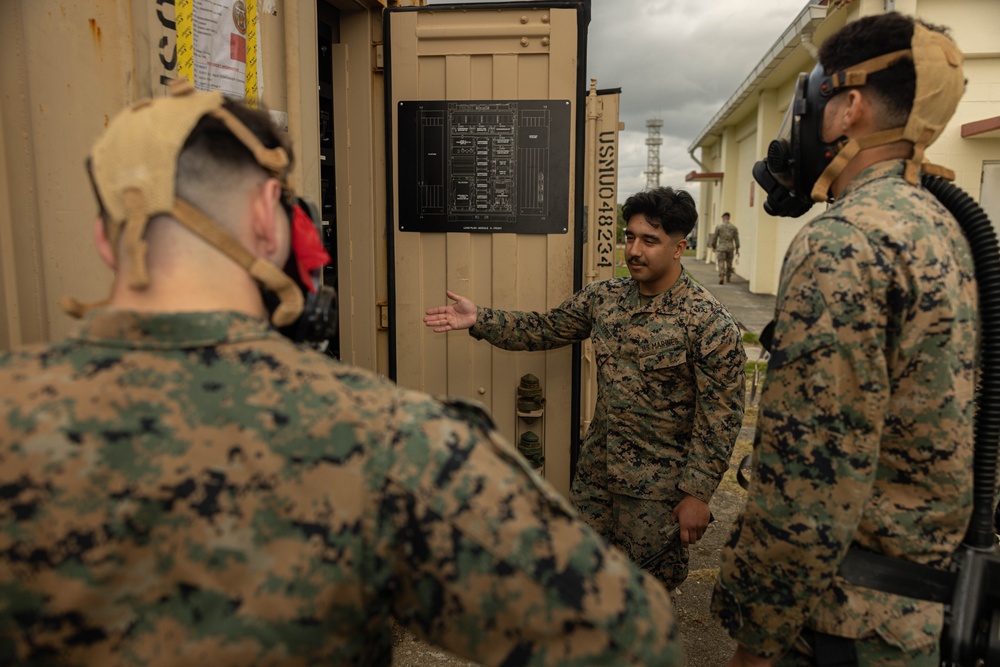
column 653, row 143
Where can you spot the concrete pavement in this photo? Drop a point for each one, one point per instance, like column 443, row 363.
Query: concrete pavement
column 751, row 311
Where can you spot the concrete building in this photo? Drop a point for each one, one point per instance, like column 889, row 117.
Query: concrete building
column 740, row 132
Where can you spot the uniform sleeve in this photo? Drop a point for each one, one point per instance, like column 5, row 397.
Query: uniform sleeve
column 568, row 323
column 720, row 380
column 488, row 561
column 817, row 447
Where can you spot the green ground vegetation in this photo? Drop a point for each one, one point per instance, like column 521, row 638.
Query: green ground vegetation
column 744, row 445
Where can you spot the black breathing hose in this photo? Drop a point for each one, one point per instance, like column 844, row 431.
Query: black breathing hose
column 982, row 240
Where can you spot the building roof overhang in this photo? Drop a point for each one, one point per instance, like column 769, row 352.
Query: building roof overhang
column 987, row 128
column 701, row 176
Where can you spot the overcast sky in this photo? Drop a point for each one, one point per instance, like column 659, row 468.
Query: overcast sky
column 677, row 60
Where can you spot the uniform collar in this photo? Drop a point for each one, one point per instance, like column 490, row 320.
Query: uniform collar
column 126, row 328
column 663, row 302
column 879, row 170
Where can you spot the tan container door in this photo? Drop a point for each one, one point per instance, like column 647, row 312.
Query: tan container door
column 486, row 109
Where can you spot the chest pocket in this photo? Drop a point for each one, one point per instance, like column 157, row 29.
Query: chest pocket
column 665, row 365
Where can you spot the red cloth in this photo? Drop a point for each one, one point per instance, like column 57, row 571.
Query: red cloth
column 307, row 246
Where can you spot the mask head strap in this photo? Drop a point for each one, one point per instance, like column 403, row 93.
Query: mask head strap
column 940, row 83
column 133, row 168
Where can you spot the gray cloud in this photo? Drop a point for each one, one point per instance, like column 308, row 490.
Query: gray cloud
column 677, row 60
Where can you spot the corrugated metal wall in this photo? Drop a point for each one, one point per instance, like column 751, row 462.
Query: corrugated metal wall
column 65, row 69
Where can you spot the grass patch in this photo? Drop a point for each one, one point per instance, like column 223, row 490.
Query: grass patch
column 750, row 338
column 704, row 576
column 755, row 366
column 729, row 483
column 744, row 445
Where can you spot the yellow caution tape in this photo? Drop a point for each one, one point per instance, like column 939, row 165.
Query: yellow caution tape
column 184, row 19
column 252, row 99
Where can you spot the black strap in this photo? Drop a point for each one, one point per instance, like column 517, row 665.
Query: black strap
column 833, row 651
column 897, row 576
column 766, row 337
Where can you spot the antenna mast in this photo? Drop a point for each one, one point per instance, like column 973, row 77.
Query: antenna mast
column 653, row 143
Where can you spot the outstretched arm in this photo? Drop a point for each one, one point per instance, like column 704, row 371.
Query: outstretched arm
column 460, row 315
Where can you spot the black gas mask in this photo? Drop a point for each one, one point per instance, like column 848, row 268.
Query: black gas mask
column 317, row 324
column 799, row 155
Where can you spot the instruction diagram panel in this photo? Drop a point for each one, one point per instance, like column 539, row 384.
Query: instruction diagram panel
column 484, row 166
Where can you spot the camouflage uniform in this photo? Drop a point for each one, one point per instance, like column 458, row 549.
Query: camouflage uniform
column 193, row 489
column 865, row 422
column 669, row 402
column 725, row 242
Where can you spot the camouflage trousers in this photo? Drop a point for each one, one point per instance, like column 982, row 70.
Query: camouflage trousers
column 635, row 526
column 873, row 651
column 724, row 259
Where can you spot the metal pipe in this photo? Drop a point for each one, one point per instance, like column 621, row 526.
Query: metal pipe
column 293, row 87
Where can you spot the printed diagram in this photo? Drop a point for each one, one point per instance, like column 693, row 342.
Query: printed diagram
column 494, row 166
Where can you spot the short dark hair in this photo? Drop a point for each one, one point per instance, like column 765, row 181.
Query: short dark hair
column 868, row 38
column 212, row 152
column 726, row 214
column 672, row 210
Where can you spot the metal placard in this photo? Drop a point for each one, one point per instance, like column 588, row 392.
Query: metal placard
column 484, row 166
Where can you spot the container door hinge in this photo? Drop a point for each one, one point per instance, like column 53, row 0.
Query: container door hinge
column 383, row 315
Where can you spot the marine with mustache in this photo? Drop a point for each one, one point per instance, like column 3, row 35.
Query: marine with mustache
column 671, row 385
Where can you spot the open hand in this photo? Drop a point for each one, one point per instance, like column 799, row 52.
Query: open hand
column 461, row 315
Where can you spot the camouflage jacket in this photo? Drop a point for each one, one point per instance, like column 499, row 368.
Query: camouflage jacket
column 193, row 489
column 865, row 428
column 670, row 380
column 726, row 238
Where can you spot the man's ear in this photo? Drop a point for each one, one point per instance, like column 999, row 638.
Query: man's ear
column 856, row 109
column 682, row 245
column 266, row 219
column 103, row 243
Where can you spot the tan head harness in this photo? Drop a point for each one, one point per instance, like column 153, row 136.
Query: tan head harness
column 133, row 166
column 939, row 87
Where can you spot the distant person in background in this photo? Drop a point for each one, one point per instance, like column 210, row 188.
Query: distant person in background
column 670, row 391
column 726, row 244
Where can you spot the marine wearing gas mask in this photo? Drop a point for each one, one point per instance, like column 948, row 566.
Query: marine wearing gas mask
column 182, row 485
column 865, row 431
column 131, row 194
column 800, row 165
